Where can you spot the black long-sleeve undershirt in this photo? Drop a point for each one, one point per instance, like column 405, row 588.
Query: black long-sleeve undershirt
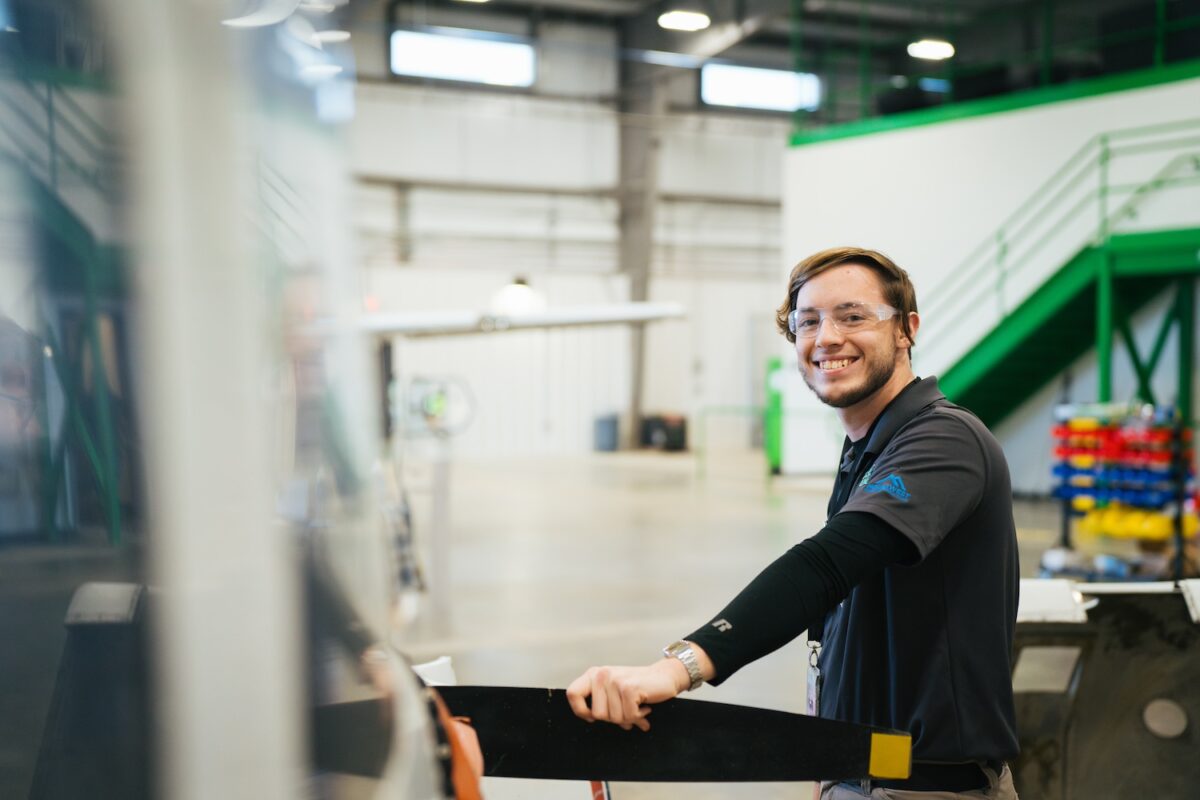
column 799, row 588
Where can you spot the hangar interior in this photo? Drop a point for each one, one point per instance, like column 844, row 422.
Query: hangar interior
column 467, row 310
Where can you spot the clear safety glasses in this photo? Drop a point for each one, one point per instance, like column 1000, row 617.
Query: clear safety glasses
column 846, row 318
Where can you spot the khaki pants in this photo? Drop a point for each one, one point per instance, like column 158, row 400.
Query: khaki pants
column 1000, row 787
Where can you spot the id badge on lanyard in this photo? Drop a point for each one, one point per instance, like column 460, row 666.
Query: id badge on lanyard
column 813, row 706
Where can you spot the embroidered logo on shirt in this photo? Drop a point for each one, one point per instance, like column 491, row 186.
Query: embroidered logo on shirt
column 867, row 477
column 722, row 625
column 892, row 485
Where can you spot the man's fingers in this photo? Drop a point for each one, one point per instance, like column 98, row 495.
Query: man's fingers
column 577, row 694
column 631, row 697
column 600, row 693
column 641, row 722
column 611, row 694
column 616, row 708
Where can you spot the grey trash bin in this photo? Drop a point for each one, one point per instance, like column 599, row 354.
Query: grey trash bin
column 605, row 433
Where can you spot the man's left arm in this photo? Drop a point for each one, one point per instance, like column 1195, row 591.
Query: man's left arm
column 797, row 589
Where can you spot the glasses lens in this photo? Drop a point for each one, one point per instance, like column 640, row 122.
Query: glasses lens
column 804, row 324
column 853, row 318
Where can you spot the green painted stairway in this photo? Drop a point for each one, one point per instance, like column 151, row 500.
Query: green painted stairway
column 1123, row 212
column 1058, row 323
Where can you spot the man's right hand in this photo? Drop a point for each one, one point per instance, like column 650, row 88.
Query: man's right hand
column 623, row 695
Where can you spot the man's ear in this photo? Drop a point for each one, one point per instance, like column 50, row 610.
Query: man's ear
column 914, row 324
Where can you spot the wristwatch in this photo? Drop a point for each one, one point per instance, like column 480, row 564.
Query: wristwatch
column 687, row 656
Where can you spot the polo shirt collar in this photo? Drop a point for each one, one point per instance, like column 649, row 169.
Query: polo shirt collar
column 917, row 395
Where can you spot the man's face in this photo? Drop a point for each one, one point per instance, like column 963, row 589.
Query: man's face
column 845, row 369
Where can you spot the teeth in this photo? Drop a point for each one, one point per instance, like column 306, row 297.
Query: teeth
column 828, row 365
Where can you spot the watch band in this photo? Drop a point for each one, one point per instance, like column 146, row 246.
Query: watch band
column 687, row 656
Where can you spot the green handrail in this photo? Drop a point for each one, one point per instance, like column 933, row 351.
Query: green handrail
column 1138, row 193
column 992, row 263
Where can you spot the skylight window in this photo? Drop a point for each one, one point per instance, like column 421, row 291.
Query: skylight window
column 753, row 87
column 469, row 56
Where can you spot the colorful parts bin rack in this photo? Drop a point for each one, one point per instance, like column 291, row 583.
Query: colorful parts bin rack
column 1124, row 469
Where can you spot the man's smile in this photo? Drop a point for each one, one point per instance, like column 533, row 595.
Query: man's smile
column 827, row 365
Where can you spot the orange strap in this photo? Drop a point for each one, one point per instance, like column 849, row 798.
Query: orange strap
column 462, row 775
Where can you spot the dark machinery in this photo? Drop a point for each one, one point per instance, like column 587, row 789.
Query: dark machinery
column 1109, row 707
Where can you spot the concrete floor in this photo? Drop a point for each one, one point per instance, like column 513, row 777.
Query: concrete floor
column 561, row 564
column 556, row 564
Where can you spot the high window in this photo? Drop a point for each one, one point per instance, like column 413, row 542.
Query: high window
column 754, row 87
column 461, row 55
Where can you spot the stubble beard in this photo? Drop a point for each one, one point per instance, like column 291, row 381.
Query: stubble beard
column 878, row 374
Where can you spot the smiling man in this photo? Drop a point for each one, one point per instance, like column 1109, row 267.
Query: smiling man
column 911, row 585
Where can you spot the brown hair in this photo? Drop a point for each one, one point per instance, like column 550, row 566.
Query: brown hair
column 897, row 288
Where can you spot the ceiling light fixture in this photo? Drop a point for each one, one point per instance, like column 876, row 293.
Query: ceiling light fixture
column 679, row 20
column 517, row 298
column 472, row 1
column 931, row 49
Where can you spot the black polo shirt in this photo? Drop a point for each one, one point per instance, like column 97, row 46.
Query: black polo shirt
column 927, row 648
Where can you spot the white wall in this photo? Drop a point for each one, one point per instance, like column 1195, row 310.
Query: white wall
column 461, row 190
column 577, row 60
column 929, row 195
column 727, row 156
column 532, row 392
column 416, row 133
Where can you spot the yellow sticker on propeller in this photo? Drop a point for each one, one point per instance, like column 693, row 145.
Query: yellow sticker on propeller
column 891, row 755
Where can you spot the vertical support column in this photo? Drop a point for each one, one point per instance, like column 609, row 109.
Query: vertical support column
column 1185, row 314
column 1104, row 328
column 864, row 65
column 107, row 461
column 642, row 106
column 827, row 69
column 387, row 376
column 1160, row 32
column 796, row 42
column 1185, row 310
column 1047, row 61
column 47, row 487
column 226, row 634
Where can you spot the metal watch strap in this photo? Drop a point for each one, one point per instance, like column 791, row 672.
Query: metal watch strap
column 687, row 656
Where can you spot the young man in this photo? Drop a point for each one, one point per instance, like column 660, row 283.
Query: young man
column 911, row 586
